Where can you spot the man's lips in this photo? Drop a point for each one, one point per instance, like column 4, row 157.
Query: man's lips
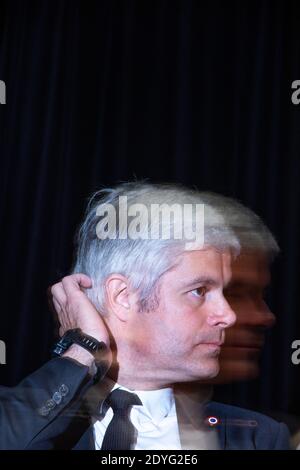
column 212, row 340
column 214, row 343
column 250, row 345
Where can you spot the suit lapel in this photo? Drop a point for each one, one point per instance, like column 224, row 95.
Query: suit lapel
column 210, row 411
column 91, row 406
column 235, row 432
column 193, row 410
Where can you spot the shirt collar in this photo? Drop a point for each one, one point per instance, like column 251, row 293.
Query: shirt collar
column 157, row 404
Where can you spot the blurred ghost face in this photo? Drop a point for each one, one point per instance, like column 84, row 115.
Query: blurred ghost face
column 239, row 359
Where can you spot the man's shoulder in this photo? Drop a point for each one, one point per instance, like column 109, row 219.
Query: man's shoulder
column 242, row 424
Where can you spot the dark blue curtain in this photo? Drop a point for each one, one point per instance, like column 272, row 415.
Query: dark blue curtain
column 186, row 91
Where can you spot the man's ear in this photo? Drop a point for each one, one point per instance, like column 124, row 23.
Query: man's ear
column 118, row 296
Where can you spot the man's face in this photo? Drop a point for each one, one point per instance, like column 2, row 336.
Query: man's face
column 181, row 339
column 244, row 341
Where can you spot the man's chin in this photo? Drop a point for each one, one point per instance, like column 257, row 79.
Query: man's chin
column 237, row 371
column 209, row 370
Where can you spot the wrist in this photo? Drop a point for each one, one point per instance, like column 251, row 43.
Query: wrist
column 81, row 355
column 76, row 336
column 97, row 335
column 84, row 349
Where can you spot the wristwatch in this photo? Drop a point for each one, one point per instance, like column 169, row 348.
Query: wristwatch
column 76, row 336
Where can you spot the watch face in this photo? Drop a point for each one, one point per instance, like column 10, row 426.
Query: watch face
column 63, row 344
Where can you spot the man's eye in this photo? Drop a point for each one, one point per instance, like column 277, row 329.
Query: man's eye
column 199, row 292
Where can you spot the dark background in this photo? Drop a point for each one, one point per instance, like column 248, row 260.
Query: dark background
column 100, row 92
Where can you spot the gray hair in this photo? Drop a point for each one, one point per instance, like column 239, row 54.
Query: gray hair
column 142, row 261
column 249, row 228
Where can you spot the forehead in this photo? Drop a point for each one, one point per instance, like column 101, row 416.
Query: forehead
column 207, row 263
column 252, row 268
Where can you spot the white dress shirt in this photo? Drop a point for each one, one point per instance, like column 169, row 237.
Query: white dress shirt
column 164, row 421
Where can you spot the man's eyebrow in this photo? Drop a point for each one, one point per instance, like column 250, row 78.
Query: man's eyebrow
column 202, row 280
column 246, row 284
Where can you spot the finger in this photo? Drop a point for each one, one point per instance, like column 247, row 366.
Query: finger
column 74, row 283
column 59, row 294
column 57, row 306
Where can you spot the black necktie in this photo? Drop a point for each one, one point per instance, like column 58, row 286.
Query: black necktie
column 120, row 431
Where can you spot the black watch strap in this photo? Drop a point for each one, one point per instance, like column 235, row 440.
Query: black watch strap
column 76, row 336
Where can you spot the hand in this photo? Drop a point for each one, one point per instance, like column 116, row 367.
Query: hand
column 75, row 310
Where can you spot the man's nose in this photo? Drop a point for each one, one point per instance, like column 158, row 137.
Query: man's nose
column 222, row 315
column 264, row 317
column 257, row 315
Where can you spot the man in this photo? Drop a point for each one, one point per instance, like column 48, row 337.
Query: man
column 27, row 408
column 240, row 354
column 250, row 277
column 245, row 293
column 162, row 302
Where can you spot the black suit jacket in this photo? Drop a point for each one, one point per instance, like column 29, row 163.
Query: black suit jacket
column 237, row 428
column 25, row 410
